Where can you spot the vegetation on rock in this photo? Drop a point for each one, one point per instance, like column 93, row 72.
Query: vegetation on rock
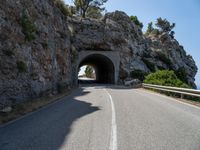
column 29, row 28
column 163, row 26
column 85, row 8
column 136, row 21
column 65, row 9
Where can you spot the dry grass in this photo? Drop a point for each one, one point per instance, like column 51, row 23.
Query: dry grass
column 30, row 106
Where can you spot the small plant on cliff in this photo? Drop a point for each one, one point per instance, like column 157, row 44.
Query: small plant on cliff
column 136, row 21
column 139, row 74
column 166, row 78
column 29, row 28
column 21, row 66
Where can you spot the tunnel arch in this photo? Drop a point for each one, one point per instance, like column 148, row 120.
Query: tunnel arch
column 104, row 67
column 112, row 57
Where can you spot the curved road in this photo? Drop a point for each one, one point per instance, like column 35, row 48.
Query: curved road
column 107, row 118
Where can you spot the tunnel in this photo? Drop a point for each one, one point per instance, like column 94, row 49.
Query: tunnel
column 103, row 66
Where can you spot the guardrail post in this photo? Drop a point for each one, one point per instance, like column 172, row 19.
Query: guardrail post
column 182, row 96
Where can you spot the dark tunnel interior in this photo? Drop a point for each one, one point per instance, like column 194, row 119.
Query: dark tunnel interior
column 103, row 67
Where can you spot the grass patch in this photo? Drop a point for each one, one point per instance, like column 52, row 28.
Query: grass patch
column 30, row 106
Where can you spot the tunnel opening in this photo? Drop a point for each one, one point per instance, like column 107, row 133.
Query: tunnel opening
column 103, row 68
column 87, row 74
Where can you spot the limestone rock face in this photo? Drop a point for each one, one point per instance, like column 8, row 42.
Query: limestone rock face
column 39, row 46
column 32, row 67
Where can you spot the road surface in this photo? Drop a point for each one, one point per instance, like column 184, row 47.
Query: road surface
column 107, row 118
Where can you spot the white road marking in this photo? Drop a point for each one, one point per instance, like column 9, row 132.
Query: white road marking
column 113, row 139
column 164, row 96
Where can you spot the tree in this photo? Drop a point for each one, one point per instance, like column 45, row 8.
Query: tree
column 89, row 71
column 136, row 21
column 82, row 6
column 164, row 25
column 149, row 28
column 94, row 12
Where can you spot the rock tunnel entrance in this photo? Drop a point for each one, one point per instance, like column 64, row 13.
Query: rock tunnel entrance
column 103, row 66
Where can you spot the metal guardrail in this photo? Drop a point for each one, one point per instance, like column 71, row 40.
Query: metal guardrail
column 182, row 91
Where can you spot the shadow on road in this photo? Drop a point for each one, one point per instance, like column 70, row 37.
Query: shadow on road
column 47, row 128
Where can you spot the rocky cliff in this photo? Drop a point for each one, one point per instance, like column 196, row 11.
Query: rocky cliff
column 39, row 46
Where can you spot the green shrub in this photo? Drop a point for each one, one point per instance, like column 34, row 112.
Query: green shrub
column 29, row 28
column 136, row 21
column 63, row 7
column 166, row 78
column 149, row 64
column 139, row 74
column 21, row 66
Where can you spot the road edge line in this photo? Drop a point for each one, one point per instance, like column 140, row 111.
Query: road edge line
column 173, row 99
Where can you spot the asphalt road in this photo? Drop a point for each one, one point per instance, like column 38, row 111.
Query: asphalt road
column 107, row 118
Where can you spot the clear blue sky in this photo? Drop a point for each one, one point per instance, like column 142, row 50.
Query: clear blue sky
column 185, row 13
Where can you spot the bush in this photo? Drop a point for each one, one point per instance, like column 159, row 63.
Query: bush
column 136, row 21
column 149, row 64
column 165, row 78
column 63, row 8
column 21, row 66
column 29, row 29
column 139, row 74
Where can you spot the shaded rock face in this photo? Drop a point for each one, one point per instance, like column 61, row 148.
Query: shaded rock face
column 35, row 50
column 39, row 46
